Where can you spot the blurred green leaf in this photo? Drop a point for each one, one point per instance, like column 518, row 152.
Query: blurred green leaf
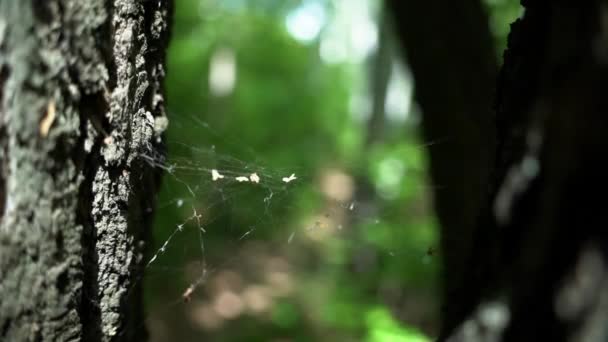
column 382, row 327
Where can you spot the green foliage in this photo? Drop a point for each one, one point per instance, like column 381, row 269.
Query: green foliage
column 288, row 113
column 285, row 315
column 502, row 13
column 382, row 327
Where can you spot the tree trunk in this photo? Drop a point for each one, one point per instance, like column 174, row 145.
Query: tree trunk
column 449, row 50
column 540, row 256
column 537, row 264
column 81, row 100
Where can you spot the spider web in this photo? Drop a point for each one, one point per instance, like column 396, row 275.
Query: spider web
column 219, row 195
column 205, row 185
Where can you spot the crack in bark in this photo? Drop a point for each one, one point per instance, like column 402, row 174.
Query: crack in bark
column 3, row 137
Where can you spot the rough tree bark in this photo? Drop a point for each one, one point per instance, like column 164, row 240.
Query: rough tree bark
column 81, row 100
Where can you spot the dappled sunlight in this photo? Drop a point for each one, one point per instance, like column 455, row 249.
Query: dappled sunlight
column 222, row 72
column 337, row 185
column 305, row 22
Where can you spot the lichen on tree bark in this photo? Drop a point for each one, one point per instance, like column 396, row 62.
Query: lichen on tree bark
column 77, row 199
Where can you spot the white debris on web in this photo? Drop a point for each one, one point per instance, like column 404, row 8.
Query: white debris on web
column 215, row 175
column 187, row 295
column 268, row 198
column 208, row 186
column 197, row 216
column 290, row 178
column 160, row 250
column 170, row 169
column 246, row 233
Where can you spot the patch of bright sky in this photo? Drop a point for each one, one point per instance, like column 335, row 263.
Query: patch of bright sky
column 349, row 36
column 399, row 94
column 305, row 22
column 352, row 34
column 398, row 102
column 222, row 72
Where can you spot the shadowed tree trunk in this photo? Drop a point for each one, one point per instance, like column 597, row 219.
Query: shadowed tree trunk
column 449, row 50
column 81, row 101
column 541, row 247
column 537, row 263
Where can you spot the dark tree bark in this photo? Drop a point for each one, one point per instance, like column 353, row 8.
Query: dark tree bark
column 81, row 100
column 541, row 246
column 537, row 267
column 449, row 50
